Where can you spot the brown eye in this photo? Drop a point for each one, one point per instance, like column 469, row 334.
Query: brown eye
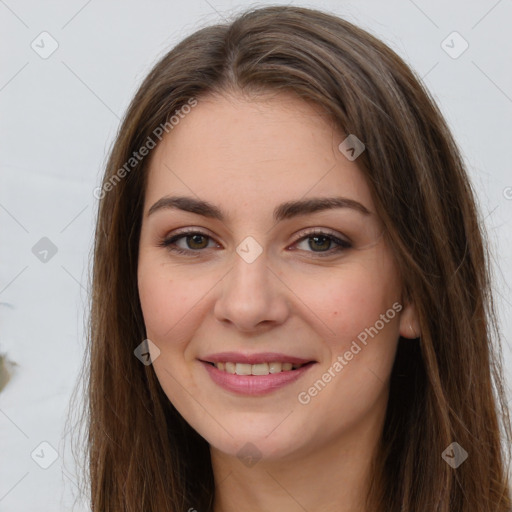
column 196, row 241
column 192, row 243
column 320, row 243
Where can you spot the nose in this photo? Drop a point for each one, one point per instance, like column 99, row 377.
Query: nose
column 252, row 296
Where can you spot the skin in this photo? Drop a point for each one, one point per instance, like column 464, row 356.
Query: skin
column 247, row 155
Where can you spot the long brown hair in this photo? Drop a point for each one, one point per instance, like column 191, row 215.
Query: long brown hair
column 447, row 386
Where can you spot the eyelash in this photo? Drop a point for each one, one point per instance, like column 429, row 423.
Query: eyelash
column 341, row 244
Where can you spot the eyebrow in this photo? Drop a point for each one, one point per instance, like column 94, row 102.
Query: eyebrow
column 284, row 211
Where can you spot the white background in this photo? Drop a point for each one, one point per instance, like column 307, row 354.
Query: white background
column 58, row 118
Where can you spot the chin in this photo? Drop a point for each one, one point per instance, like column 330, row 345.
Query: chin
column 250, row 446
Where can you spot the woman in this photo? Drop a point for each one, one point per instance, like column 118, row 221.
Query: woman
column 291, row 305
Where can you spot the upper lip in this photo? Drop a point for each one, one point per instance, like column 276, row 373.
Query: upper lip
column 262, row 357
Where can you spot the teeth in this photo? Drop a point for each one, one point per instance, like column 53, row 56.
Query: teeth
column 256, row 369
column 259, row 369
column 243, row 369
column 275, row 367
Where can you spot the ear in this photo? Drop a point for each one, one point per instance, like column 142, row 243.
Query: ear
column 409, row 324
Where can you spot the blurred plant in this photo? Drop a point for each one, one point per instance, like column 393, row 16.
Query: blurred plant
column 6, row 370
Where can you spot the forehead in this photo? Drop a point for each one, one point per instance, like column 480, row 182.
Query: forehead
column 236, row 151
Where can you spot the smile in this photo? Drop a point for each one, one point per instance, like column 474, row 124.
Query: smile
column 255, row 369
column 255, row 376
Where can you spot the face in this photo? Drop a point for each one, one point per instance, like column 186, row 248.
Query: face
column 264, row 279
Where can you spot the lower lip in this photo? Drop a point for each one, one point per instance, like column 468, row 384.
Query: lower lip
column 254, row 384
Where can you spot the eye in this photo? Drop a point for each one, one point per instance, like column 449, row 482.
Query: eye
column 322, row 243
column 191, row 241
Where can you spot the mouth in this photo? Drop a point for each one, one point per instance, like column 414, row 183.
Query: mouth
column 264, row 368
column 255, row 374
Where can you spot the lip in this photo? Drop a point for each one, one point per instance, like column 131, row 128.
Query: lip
column 262, row 357
column 255, row 384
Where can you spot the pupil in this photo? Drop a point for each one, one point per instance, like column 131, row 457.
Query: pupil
column 315, row 241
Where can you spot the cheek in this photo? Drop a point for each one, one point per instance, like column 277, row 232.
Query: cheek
column 170, row 305
column 165, row 298
column 362, row 349
column 349, row 300
column 174, row 300
column 158, row 303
